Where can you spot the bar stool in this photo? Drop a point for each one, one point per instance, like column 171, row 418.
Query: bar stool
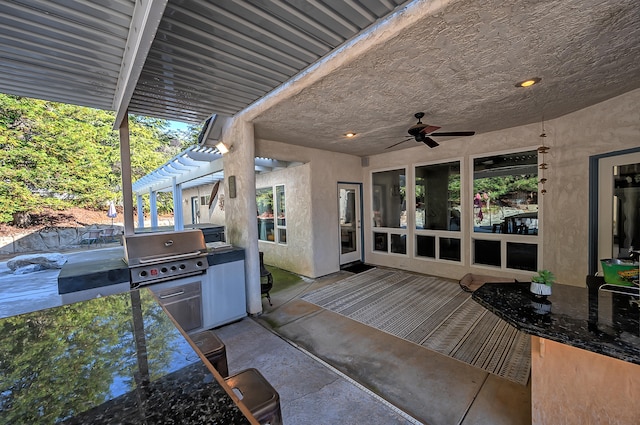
column 262, row 400
column 213, row 349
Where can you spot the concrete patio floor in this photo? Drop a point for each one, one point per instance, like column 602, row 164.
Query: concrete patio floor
column 328, row 368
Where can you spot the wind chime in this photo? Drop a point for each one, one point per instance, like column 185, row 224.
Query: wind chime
column 542, row 150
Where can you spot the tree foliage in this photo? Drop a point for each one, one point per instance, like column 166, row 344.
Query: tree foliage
column 59, row 156
column 57, row 363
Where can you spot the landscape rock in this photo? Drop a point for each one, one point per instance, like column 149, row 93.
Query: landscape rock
column 29, row 269
column 44, row 261
column 68, row 236
column 30, row 243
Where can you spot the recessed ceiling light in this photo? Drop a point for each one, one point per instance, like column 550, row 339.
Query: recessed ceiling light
column 350, row 134
column 529, row 82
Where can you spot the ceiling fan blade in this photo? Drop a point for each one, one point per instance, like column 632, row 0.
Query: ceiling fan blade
column 429, row 128
column 454, row 133
column 396, row 144
column 430, row 142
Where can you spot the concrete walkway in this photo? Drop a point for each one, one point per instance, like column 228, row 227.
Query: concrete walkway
column 430, row 387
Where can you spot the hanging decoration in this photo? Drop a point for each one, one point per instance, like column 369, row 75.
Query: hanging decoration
column 542, row 150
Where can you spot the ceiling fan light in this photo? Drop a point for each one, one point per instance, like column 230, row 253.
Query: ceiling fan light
column 529, row 82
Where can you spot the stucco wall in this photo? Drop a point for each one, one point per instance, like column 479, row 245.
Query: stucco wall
column 574, row 386
column 215, row 215
column 313, row 247
column 606, row 127
column 297, row 254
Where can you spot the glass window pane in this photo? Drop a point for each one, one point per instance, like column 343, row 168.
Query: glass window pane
column 486, row 252
column 522, row 256
column 426, row 246
column 438, row 196
column 450, row 249
column 505, row 191
column 399, row 244
column 380, row 242
column 389, row 199
column 280, row 205
column 626, row 210
column 264, row 203
column 282, row 234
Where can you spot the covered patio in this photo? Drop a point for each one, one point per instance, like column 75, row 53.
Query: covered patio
column 285, row 79
column 334, row 86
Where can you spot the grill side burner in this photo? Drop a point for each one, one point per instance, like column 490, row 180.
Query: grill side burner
column 163, row 256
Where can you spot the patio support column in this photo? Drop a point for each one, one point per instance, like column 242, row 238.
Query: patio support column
column 153, row 207
column 140, row 207
column 240, row 204
column 178, row 220
column 127, row 190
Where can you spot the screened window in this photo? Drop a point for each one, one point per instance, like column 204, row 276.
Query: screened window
column 438, row 196
column 505, row 196
column 437, row 217
column 271, row 214
column 281, row 222
column 389, row 211
column 389, row 199
column 505, row 206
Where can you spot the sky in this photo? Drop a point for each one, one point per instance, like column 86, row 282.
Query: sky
column 177, row 125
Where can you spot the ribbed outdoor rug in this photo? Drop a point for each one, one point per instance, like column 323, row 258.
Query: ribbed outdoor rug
column 431, row 312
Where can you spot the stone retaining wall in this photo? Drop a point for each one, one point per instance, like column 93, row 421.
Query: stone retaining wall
column 50, row 239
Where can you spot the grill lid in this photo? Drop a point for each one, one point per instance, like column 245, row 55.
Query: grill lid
column 153, row 248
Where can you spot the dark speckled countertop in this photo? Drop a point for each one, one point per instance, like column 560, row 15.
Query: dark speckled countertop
column 597, row 321
column 112, row 360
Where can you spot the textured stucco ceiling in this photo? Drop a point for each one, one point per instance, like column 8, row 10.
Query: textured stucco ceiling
column 459, row 65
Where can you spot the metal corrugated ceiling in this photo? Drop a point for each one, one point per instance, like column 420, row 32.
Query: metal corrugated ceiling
column 207, row 56
column 221, row 56
column 63, row 51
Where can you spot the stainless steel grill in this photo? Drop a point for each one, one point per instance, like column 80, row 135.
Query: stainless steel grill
column 162, row 256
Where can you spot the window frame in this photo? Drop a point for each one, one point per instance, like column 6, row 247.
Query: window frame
column 391, row 232
column 504, row 239
column 439, row 234
column 275, row 208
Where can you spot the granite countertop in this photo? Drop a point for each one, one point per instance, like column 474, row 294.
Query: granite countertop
column 597, row 321
column 115, row 359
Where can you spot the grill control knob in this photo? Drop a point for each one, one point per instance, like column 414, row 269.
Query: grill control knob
column 182, row 267
column 164, row 270
column 143, row 273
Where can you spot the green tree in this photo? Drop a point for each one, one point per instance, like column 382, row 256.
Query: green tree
column 57, row 156
column 57, row 363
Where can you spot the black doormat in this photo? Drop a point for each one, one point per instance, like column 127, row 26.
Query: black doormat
column 358, row 267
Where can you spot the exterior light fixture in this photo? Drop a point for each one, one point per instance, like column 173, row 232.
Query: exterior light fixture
column 350, row 134
column 222, row 148
column 529, row 82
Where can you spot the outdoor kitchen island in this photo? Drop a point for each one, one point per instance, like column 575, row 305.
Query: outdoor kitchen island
column 222, row 286
column 585, row 351
column 114, row 359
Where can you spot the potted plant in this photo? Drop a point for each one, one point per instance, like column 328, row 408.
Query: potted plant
column 541, row 283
